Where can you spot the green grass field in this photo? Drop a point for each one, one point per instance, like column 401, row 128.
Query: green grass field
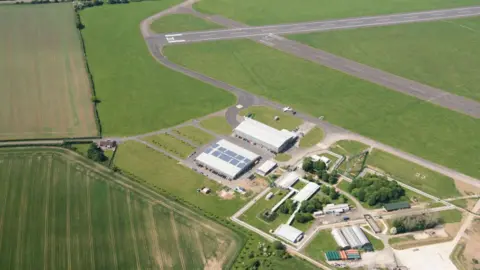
column 395, row 240
column 313, row 137
column 451, row 216
column 266, row 115
column 61, row 211
column 444, row 54
column 44, row 84
column 194, row 134
column 136, row 92
column 401, row 121
column 252, row 215
column 261, row 12
column 376, row 243
column 217, row 124
column 283, row 157
column 171, row 144
column 181, row 23
column 415, row 175
column 162, row 172
column 322, row 243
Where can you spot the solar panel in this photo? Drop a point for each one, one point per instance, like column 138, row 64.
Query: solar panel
column 234, row 161
column 208, row 150
column 240, row 157
column 225, row 157
column 241, row 165
column 247, row 160
column 216, row 153
column 215, row 145
column 230, row 153
column 221, row 149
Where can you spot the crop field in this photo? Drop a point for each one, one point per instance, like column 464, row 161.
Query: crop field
column 164, row 173
column 444, row 54
column 60, row 211
column 262, row 12
column 181, row 22
column 44, row 83
column 402, row 121
column 126, row 75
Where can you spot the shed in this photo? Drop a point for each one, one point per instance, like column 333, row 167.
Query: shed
column 396, row 206
column 287, row 180
column 306, row 192
column 266, row 167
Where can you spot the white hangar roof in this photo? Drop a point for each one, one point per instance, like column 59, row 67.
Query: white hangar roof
column 264, row 133
column 227, row 158
column 289, row 233
column 306, row 192
column 266, row 167
column 287, row 180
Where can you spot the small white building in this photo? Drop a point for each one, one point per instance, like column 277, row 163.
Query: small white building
column 269, row 196
column 287, row 180
column 289, row 233
column 266, row 167
column 325, row 160
column 306, row 192
column 336, row 209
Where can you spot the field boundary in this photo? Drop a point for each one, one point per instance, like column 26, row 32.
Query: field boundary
column 89, row 73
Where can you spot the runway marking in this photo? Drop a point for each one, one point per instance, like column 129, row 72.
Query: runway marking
column 383, row 20
column 174, row 35
column 417, row 90
column 177, row 41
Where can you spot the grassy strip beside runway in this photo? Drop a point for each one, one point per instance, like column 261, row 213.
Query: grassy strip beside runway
column 137, row 94
column 262, row 12
column 401, row 121
column 313, row 137
column 217, row 124
column 182, row 23
column 443, row 54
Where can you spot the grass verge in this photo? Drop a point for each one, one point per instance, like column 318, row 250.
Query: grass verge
column 182, row 23
column 445, row 54
column 171, row 144
column 126, row 76
column 401, row 121
column 322, row 243
column 194, row 134
column 313, row 137
column 217, row 124
column 266, row 115
column 283, row 157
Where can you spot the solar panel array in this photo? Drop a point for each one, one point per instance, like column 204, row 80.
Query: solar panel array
column 227, row 156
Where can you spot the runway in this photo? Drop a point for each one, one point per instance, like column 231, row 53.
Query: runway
column 319, row 26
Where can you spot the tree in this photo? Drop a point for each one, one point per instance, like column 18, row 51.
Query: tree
column 95, row 153
column 319, row 166
column 334, row 194
column 303, row 217
column 278, row 245
column 325, row 190
column 307, row 165
column 325, row 176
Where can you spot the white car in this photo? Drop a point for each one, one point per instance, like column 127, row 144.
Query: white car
column 287, row 109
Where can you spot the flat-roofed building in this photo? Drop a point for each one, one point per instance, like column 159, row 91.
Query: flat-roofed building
column 306, row 192
column 289, row 233
column 336, row 208
column 266, row 167
column 227, row 159
column 287, row 180
column 266, row 136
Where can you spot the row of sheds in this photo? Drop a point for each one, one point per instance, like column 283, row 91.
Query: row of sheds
column 342, row 255
column 351, row 237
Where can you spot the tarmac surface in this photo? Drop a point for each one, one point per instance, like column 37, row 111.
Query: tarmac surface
column 306, row 27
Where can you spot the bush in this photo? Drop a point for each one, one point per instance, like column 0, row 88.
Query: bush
column 278, row 245
column 416, row 223
column 303, row 217
column 375, row 189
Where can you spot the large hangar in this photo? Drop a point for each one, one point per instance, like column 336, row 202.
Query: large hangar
column 272, row 139
column 227, row 159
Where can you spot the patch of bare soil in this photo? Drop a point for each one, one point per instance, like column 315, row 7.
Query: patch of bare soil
column 472, row 247
column 466, row 189
column 226, row 195
column 256, row 185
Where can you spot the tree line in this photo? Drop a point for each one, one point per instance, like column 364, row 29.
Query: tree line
column 319, row 169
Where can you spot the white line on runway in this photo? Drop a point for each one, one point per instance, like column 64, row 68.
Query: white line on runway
column 177, row 41
column 173, row 35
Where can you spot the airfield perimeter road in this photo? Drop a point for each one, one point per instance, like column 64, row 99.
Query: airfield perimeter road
column 268, row 35
column 334, row 133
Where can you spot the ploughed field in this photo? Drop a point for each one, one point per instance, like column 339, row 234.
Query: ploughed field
column 60, row 211
column 45, row 92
